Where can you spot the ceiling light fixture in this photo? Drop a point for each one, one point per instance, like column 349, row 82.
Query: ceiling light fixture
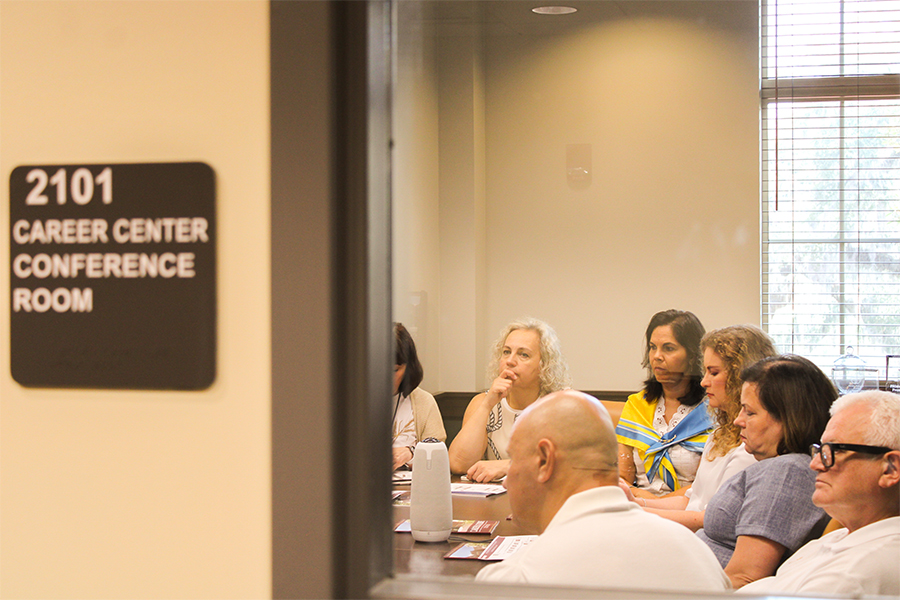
column 554, row 10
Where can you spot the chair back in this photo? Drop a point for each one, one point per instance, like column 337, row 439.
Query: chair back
column 615, row 409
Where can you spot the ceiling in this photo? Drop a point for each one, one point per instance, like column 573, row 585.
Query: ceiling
column 514, row 17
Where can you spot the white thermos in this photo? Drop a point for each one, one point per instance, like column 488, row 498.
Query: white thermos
column 430, row 506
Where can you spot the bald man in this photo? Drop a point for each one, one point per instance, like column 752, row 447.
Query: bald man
column 857, row 469
column 563, row 484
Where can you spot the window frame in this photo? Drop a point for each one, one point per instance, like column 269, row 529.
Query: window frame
column 855, row 88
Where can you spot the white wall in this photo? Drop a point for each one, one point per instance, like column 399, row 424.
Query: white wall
column 131, row 494
column 669, row 107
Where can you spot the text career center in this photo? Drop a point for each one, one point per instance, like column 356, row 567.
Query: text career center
column 96, row 265
column 90, row 248
column 113, row 275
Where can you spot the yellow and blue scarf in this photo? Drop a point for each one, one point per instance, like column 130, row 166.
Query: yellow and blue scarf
column 635, row 429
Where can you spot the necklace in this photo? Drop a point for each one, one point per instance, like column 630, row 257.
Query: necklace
column 396, row 408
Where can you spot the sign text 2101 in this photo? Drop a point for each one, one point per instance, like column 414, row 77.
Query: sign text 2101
column 80, row 187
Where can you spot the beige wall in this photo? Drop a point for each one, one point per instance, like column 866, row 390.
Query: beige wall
column 669, row 106
column 131, row 494
column 416, row 207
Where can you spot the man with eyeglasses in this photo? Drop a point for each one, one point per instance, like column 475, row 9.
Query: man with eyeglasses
column 858, row 484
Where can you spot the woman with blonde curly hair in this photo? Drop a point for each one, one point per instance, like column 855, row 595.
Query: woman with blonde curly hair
column 526, row 364
column 726, row 352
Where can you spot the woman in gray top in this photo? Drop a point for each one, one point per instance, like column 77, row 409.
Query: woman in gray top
column 764, row 513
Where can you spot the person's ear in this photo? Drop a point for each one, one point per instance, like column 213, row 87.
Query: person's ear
column 891, row 472
column 546, row 452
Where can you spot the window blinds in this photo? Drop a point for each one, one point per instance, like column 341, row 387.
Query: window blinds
column 830, row 138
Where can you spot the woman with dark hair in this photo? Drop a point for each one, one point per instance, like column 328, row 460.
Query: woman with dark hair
column 416, row 413
column 663, row 428
column 763, row 514
column 726, row 352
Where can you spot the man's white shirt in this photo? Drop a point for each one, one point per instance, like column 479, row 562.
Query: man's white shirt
column 600, row 539
column 841, row 563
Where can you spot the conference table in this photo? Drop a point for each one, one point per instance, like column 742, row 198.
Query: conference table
column 427, row 558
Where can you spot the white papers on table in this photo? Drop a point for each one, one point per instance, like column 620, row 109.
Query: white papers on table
column 464, row 479
column 499, row 548
column 401, row 477
column 477, row 489
column 505, row 546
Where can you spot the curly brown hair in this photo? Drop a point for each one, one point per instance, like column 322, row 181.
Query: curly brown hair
column 738, row 346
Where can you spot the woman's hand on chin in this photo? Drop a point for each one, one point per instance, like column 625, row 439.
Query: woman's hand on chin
column 485, row 471
column 500, row 387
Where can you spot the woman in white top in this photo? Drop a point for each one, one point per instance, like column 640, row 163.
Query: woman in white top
column 416, row 413
column 526, row 364
column 726, row 352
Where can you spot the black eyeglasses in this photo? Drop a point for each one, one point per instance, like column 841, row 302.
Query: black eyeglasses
column 826, row 451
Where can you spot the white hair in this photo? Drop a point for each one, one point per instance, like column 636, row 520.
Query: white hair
column 554, row 369
column 884, row 428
